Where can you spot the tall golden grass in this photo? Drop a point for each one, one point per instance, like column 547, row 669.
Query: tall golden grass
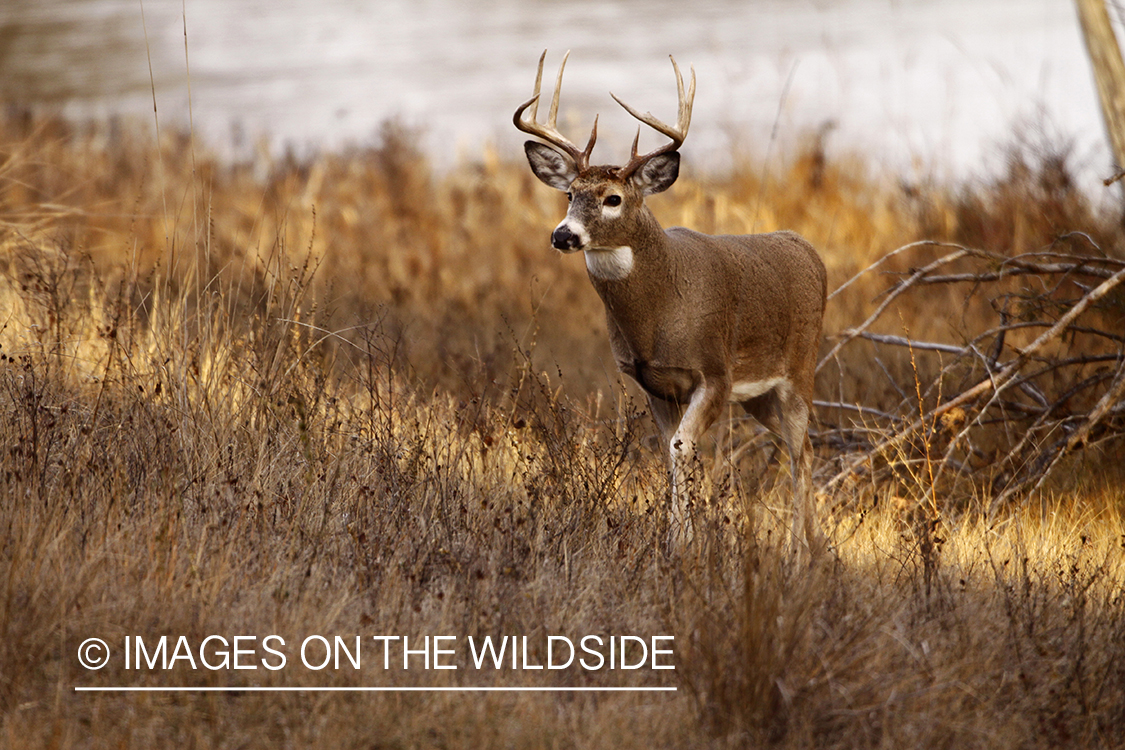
column 352, row 395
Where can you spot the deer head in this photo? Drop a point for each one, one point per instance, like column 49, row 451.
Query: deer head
column 606, row 202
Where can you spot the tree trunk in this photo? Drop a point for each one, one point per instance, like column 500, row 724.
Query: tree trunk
column 1109, row 73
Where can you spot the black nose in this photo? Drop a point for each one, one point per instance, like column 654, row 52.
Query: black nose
column 564, row 239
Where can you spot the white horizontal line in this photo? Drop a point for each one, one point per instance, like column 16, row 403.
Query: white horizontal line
column 369, row 689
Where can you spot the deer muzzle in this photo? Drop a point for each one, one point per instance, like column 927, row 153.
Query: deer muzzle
column 567, row 240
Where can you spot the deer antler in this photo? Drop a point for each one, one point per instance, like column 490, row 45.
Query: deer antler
column 549, row 131
column 677, row 134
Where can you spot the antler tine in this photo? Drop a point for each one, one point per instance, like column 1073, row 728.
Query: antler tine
column 553, row 115
column 538, row 86
column 677, row 134
column 549, row 131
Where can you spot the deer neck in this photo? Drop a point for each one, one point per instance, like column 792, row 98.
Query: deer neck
column 632, row 261
column 634, row 300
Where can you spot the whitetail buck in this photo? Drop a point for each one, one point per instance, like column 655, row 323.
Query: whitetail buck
column 697, row 320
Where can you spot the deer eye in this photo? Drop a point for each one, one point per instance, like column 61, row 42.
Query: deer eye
column 569, row 196
column 612, row 200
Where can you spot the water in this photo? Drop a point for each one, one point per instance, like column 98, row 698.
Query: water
column 930, row 86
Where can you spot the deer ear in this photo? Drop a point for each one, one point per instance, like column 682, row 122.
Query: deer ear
column 550, row 166
column 658, row 173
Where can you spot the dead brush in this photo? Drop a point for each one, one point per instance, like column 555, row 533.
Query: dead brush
column 327, row 426
column 1009, row 400
column 750, row 609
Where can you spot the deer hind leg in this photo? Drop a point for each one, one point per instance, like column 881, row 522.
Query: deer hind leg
column 793, row 413
column 786, row 415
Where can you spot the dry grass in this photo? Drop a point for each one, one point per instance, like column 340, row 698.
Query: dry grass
column 350, row 396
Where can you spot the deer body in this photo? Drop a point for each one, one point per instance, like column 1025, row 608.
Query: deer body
column 746, row 295
column 698, row 321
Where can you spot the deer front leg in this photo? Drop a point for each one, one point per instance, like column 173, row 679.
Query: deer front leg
column 703, row 409
column 667, row 415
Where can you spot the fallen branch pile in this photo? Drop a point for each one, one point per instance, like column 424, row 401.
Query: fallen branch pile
column 1000, row 408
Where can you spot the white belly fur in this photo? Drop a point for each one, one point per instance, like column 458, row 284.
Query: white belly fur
column 748, row 389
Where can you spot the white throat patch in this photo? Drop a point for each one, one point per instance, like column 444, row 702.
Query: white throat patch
column 609, row 263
